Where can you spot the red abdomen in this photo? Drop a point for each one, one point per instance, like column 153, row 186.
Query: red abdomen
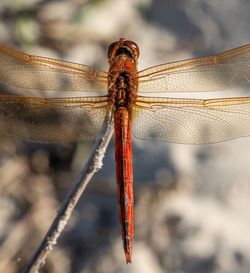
column 124, row 177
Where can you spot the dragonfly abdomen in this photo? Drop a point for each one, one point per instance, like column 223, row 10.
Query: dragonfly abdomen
column 124, row 177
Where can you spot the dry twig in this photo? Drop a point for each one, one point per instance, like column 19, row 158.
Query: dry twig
column 93, row 164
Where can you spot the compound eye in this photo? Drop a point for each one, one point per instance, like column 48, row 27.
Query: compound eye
column 134, row 47
column 111, row 49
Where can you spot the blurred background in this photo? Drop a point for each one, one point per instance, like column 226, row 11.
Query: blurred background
column 191, row 202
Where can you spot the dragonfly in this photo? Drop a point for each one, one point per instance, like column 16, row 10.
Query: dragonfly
column 139, row 100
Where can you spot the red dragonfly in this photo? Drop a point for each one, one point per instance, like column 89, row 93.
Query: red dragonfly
column 189, row 121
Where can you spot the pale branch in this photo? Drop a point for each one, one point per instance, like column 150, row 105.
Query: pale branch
column 93, row 164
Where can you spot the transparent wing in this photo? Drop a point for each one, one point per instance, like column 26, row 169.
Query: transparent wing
column 191, row 121
column 52, row 120
column 216, row 72
column 18, row 69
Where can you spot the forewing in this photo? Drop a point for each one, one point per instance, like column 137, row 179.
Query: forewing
column 216, row 72
column 21, row 70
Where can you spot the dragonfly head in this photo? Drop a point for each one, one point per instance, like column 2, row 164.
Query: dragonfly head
column 123, row 47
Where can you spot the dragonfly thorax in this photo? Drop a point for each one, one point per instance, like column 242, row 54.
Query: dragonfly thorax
column 122, row 90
